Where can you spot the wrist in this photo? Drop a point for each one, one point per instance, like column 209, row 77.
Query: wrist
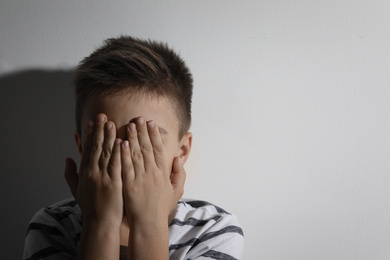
column 155, row 236
column 100, row 228
column 107, row 221
column 99, row 241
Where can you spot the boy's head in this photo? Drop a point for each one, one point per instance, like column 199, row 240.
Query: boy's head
column 132, row 66
column 127, row 78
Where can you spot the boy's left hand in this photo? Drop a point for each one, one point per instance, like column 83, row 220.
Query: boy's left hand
column 151, row 188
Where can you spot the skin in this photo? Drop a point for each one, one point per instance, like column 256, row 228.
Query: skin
column 131, row 175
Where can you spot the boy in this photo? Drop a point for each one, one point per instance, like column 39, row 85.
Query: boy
column 133, row 113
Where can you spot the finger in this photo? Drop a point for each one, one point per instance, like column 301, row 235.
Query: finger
column 145, row 144
column 178, row 178
column 87, row 145
column 114, row 168
column 71, row 175
column 127, row 164
column 98, row 138
column 158, row 148
column 108, row 143
column 135, row 150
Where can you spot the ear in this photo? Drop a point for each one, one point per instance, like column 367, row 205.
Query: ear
column 77, row 138
column 185, row 147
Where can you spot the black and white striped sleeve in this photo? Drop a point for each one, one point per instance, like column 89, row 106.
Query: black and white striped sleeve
column 205, row 232
column 51, row 234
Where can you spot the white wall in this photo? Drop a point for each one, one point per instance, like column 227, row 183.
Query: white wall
column 291, row 112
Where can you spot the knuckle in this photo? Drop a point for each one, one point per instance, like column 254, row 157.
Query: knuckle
column 115, row 162
column 155, row 133
column 128, row 167
column 106, row 153
column 96, row 145
column 147, row 148
column 158, row 148
column 112, row 167
column 137, row 155
column 132, row 135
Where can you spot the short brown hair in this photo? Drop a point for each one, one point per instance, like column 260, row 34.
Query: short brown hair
column 132, row 64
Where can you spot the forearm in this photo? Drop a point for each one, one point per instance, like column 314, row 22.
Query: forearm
column 149, row 241
column 98, row 190
column 99, row 242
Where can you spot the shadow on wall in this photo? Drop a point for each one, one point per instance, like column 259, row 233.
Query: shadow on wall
column 37, row 124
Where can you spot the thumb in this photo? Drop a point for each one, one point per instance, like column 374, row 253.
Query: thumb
column 178, row 177
column 71, row 175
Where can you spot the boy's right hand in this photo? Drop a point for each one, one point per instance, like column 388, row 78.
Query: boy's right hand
column 98, row 186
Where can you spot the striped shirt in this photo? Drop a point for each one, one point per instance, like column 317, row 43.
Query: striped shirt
column 199, row 230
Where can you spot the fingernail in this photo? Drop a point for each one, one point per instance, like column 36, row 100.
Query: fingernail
column 141, row 121
column 108, row 126
column 100, row 118
column 126, row 144
column 151, row 124
column 132, row 127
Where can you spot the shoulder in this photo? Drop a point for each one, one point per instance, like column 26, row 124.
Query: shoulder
column 202, row 213
column 64, row 214
column 202, row 229
column 54, row 229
